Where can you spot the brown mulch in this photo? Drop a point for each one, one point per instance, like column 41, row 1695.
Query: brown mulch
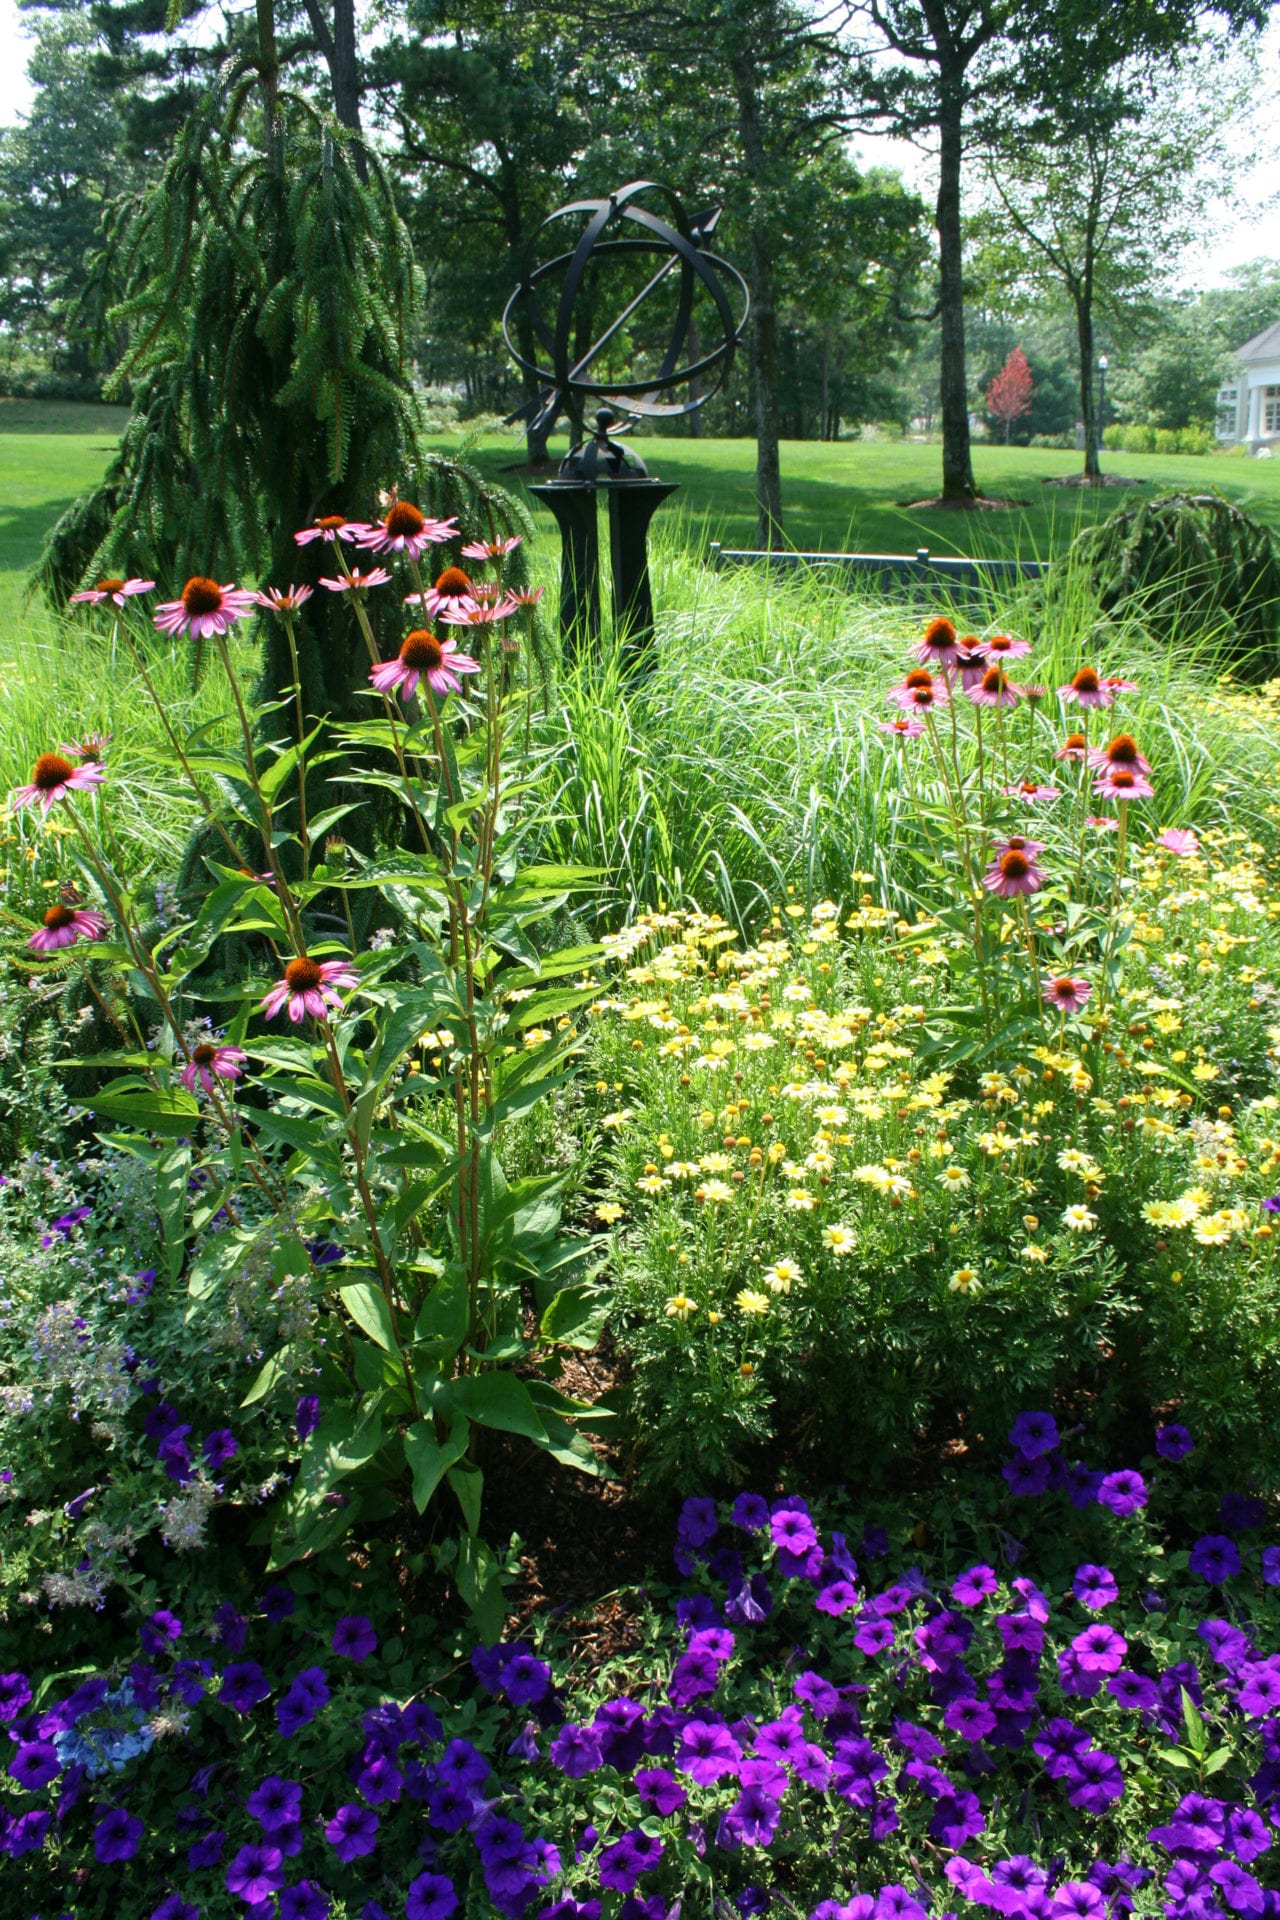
column 978, row 503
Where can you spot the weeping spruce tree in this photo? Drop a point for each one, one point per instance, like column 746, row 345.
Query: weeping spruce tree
column 268, row 285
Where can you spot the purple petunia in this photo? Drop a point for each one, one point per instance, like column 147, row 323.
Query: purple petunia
column 354, row 1637
column 430, row 1897
column 220, row 1447
column 34, row 1765
column 658, row 1788
column 708, row 1752
column 750, row 1512
column 174, row 1907
column 576, row 1751
column 1033, row 1434
column 305, row 1901
column 1095, row 1587
column 1124, row 1492
column 15, row 1692
column 243, row 1685
column 1095, row 1781
column 275, row 1803
column 256, row 1873
column 116, row 1836
column 307, row 1415
column 1215, row 1557
column 974, row 1586
column 622, row 1864
column 1173, row 1442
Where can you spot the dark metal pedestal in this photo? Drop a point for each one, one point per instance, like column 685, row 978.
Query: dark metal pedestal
column 632, row 505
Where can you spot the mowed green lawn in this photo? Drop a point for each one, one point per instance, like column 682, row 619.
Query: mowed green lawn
column 853, row 496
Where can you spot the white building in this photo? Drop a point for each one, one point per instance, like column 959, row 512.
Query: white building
column 1249, row 404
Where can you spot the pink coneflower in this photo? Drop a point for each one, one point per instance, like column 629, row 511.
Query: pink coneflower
column 210, row 1062
column 310, row 986
column 479, row 613
column 1085, row 689
column 1001, row 646
column 357, row 582
column 919, row 681
column 283, row 600
column 449, row 587
column 905, row 727
column 63, row 926
column 117, row 591
column 1103, row 822
column 1074, row 747
column 330, row 527
column 423, row 656
column 1031, row 790
column 1120, row 752
column 527, row 596
column 995, row 689
column 1012, row 873
column 491, row 549
column 93, row 746
column 1018, row 843
column 53, row 777
column 1123, row 783
column 1179, row 840
column 205, row 608
column 1117, row 685
column 939, row 647
column 404, row 528
column 970, row 665
column 1066, row 993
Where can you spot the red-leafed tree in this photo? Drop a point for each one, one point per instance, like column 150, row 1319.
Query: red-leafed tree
column 1009, row 395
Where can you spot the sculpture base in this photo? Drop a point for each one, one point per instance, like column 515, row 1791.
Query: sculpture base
column 632, row 505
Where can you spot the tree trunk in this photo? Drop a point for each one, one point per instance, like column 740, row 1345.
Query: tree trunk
column 764, row 317
column 957, row 460
column 338, row 46
column 1084, row 334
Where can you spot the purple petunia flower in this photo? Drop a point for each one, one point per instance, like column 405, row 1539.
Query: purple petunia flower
column 275, row 1803
column 1124, row 1492
column 698, row 1522
column 430, row 1897
column 1100, row 1649
column 220, row 1447
column 206, row 1851
column 1173, row 1442
column 658, row 1788
column 836, row 1597
column 35, row 1764
column 243, row 1685
column 622, row 1864
column 115, row 1837
column 307, row 1415
column 15, row 1691
column 971, row 1588
column 1215, row 1557
column 1025, row 1477
column 708, row 1752
column 174, row 1907
column 354, row 1637
column 750, row 1512
column 792, row 1531
column 1270, row 1568
column 1259, row 1693
column 1095, row 1782
column 305, row 1901
column 1134, row 1690
column 957, row 1818
column 1095, row 1587
column 1033, row 1434
column 873, row 1636
column 1077, row 1900
column 256, row 1873
column 277, row 1603
column 576, row 1751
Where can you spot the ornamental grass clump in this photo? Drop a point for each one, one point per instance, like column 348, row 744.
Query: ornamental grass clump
column 337, row 1092
column 1053, row 1694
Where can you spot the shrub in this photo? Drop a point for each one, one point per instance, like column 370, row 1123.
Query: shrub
column 1114, row 436
column 1196, row 440
column 1139, row 439
column 1167, row 440
column 1187, row 560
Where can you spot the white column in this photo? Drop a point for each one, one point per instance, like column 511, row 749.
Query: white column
column 1254, row 434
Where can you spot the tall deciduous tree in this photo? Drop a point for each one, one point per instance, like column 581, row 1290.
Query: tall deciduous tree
column 1100, row 199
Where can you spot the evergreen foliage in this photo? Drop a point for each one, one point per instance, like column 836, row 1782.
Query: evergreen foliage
column 1189, row 558
column 268, row 291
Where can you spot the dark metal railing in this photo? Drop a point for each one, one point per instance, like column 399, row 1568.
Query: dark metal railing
column 921, row 568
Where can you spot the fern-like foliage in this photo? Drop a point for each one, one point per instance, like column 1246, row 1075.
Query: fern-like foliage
column 268, row 293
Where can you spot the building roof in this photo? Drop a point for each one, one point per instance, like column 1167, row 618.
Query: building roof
column 1263, row 346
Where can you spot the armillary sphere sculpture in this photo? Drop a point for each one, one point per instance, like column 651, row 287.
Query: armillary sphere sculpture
column 551, row 328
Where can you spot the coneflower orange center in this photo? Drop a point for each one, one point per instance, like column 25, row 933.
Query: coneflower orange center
column 1124, row 777
column 940, row 633
column 919, row 677
column 421, row 651
column 922, row 696
column 303, row 974
column 201, row 595
column 404, row 518
column 1074, row 743
column 1016, row 842
column 204, row 1054
column 51, row 771
column 1064, row 986
column 58, row 917
column 1030, row 786
column 1086, row 681
column 999, row 643
column 1123, row 748
column 1014, row 865
column 108, row 586
column 453, row 581
column 330, row 522
column 993, row 680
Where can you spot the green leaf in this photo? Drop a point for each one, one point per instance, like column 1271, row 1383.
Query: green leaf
column 443, row 1315
column 172, row 1176
column 165, row 1110
column 468, row 1485
column 368, row 1307
column 499, row 1400
column 276, row 1368
column 576, row 1317
column 1217, row 1761
column 429, row 1460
